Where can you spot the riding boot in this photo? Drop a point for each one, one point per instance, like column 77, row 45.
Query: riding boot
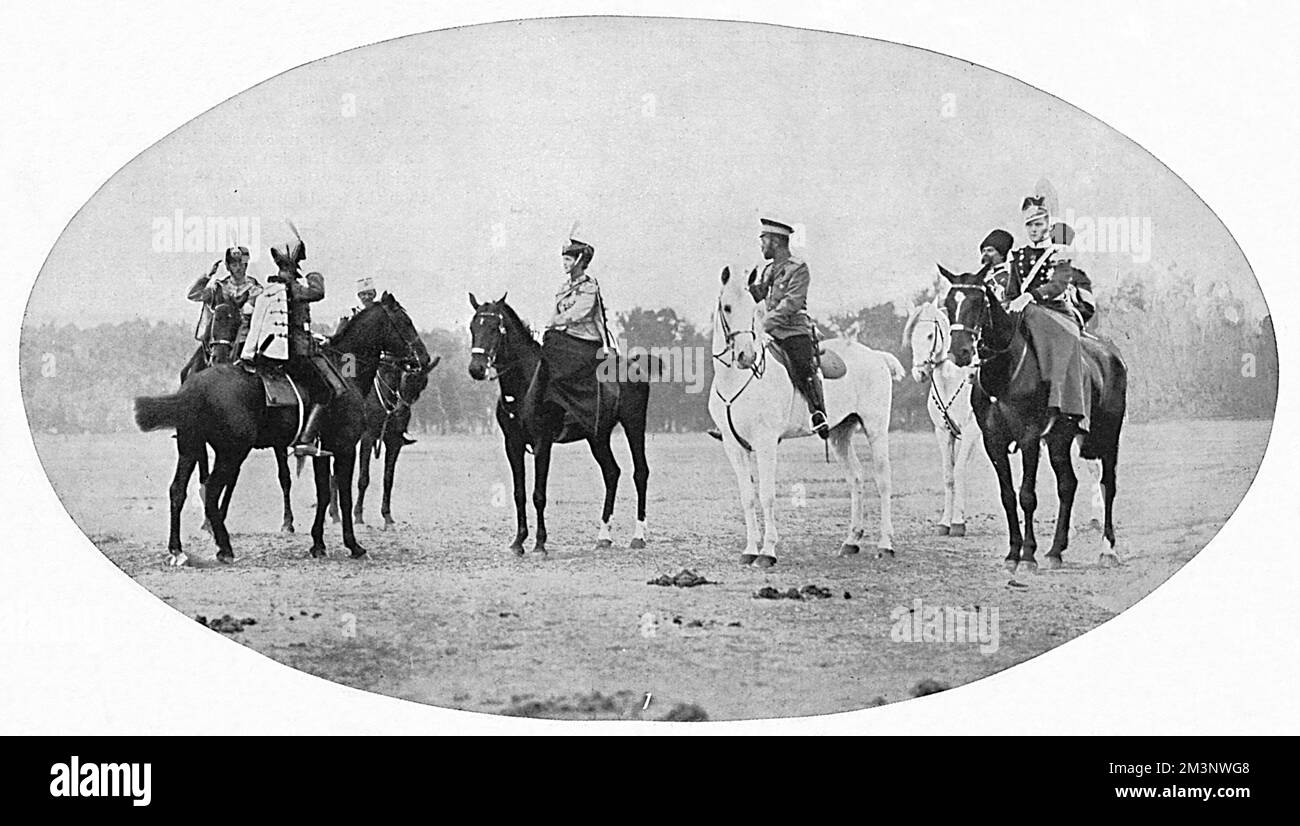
column 306, row 446
column 407, row 440
column 817, row 406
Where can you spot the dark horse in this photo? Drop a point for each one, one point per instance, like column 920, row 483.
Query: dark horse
column 225, row 407
column 220, row 350
column 397, row 386
column 503, row 347
column 1010, row 402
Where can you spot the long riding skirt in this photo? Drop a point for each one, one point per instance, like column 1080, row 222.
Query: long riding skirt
column 573, row 384
column 1060, row 358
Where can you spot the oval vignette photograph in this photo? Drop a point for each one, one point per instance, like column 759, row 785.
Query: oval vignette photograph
column 648, row 369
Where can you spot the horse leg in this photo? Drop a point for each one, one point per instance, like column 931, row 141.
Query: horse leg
column 228, row 493
column 321, row 470
column 515, row 453
column 186, row 458
column 944, row 438
column 1029, row 449
column 204, row 475
column 1109, row 555
column 1058, row 453
column 1092, row 473
column 541, row 469
column 996, row 448
column 884, row 475
column 224, row 471
column 640, row 477
column 286, row 483
column 334, row 501
column 344, row 462
column 610, row 472
column 962, row 451
column 742, row 465
column 391, row 451
column 765, row 463
column 842, row 444
column 363, row 478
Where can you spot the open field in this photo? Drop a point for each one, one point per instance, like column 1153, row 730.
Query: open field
column 444, row 614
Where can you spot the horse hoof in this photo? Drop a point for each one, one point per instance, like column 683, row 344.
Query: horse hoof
column 603, row 544
column 1108, row 560
column 748, row 559
column 957, row 529
column 884, row 551
column 1031, row 565
column 540, row 548
column 177, row 559
column 225, row 557
column 637, row 544
column 1011, row 565
column 358, row 552
column 943, row 530
column 849, row 549
column 287, row 527
column 764, row 561
column 318, row 551
column 1052, row 563
column 517, row 549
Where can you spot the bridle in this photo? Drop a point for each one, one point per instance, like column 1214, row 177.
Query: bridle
column 728, row 356
column 490, row 354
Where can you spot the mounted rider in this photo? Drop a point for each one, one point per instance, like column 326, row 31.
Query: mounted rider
column 236, row 288
column 1038, row 286
column 306, row 363
column 784, row 283
column 577, row 338
column 994, row 250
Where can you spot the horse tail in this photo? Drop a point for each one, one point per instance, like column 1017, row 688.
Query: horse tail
column 159, row 412
column 895, row 366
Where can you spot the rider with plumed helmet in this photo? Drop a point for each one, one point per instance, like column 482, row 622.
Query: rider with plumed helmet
column 236, row 289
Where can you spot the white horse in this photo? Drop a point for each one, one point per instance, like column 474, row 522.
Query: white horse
column 755, row 405
column 929, row 333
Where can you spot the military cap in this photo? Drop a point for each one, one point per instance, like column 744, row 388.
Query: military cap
column 1000, row 240
column 775, row 228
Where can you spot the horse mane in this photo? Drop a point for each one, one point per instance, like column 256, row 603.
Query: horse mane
column 509, row 312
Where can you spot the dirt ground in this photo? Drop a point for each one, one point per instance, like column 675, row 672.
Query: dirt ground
column 443, row 613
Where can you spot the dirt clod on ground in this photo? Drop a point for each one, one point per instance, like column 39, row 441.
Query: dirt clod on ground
column 226, row 624
column 685, row 578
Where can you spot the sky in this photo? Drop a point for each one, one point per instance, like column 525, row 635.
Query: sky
column 458, row 161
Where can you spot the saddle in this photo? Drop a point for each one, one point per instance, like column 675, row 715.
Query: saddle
column 830, row 365
column 279, row 388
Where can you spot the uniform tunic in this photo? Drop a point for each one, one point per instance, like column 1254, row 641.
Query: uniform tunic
column 578, row 309
column 785, row 283
column 213, row 290
column 1055, row 331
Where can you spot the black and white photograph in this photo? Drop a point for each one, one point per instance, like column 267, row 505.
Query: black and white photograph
column 614, row 368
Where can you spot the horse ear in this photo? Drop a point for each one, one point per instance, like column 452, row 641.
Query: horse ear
column 753, row 275
column 473, row 302
column 726, row 274
column 949, row 276
column 503, row 297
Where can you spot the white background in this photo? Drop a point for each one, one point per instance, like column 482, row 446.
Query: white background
column 1209, row 88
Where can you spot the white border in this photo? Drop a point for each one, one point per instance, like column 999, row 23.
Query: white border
column 88, row 86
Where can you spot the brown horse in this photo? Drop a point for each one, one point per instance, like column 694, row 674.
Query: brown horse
column 224, row 407
column 1010, row 401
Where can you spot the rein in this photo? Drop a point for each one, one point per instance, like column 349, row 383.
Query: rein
column 756, row 370
column 491, row 355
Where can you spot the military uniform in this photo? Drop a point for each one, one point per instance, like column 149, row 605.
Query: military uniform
column 214, row 291
column 578, row 309
column 1054, row 325
column 783, row 285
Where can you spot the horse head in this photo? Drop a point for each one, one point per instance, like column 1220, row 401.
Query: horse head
column 928, row 333
column 738, row 321
column 966, row 309
column 383, row 327
column 496, row 337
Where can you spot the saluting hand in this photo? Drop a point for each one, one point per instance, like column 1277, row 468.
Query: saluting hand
column 216, row 265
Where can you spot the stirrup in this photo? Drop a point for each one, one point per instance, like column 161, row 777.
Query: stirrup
column 820, row 425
